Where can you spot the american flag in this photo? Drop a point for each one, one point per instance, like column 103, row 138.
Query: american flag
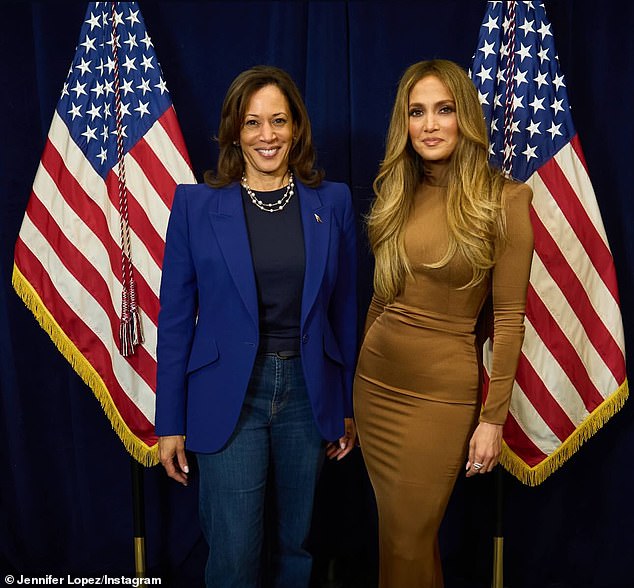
column 89, row 252
column 571, row 377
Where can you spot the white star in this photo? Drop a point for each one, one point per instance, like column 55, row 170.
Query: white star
column 556, row 106
column 106, row 110
column 554, row 130
column 505, row 49
column 147, row 62
column 88, row 44
column 104, row 133
column 123, row 129
column 506, row 25
column 527, row 27
column 494, row 125
column 107, row 87
column 147, row 41
column 558, row 81
column 491, row 24
column 131, row 42
column 537, row 104
column 144, row 86
column 540, row 79
column 114, row 40
column 89, row 134
column 482, row 98
column 126, row 87
column 491, row 150
column 125, row 109
column 65, row 89
column 133, row 17
column 543, row 54
column 118, row 18
column 509, row 150
column 110, row 64
column 534, row 128
column 93, row 21
column 520, row 78
column 499, row 76
column 84, row 66
column 517, row 101
column 497, row 100
column 515, row 126
column 544, row 30
column 161, row 86
column 524, row 52
column 142, row 108
column 98, row 89
column 79, row 89
column 129, row 63
column 100, row 67
column 94, row 111
column 529, row 152
column 75, row 110
column 103, row 155
column 484, row 74
column 487, row 49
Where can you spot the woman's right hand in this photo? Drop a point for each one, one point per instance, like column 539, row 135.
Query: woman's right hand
column 173, row 458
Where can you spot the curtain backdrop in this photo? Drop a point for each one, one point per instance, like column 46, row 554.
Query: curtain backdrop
column 65, row 487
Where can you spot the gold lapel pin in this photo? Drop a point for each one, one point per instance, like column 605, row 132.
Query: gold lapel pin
column 317, row 217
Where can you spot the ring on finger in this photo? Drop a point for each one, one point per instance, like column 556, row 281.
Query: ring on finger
column 477, row 466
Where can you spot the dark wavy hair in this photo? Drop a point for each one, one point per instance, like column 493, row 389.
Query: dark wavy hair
column 230, row 160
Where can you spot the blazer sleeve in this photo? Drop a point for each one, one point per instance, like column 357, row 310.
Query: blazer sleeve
column 176, row 322
column 510, row 284
column 342, row 312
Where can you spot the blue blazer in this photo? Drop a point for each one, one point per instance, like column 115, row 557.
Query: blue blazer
column 208, row 331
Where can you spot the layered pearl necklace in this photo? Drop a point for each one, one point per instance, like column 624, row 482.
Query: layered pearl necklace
column 271, row 206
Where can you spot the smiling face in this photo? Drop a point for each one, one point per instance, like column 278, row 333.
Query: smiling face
column 266, row 138
column 433, row 124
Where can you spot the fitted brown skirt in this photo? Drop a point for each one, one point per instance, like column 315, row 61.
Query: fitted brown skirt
column 414, row 449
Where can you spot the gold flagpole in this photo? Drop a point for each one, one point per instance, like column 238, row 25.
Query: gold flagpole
column 498, row 537
column 138, row 513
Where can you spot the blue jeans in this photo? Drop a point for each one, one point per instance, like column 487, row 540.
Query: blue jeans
column 276, row 441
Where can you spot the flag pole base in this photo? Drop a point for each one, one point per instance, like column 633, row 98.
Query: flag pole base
column 139, row 556
column 498, row 562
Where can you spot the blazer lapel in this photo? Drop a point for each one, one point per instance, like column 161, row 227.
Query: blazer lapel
column 230, row 228
column 316, row 222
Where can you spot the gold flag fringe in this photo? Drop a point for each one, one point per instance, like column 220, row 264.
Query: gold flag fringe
column 533, row 476
column 144, row 454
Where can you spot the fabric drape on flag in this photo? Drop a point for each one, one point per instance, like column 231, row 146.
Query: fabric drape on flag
column 89, row 253
column 571, row 377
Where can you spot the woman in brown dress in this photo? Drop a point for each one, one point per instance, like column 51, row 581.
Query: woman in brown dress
column 447, row 231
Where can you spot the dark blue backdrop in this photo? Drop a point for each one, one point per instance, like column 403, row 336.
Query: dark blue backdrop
column 65, row 488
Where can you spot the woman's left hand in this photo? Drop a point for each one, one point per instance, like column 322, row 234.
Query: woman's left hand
column 339, row 449
column 484, row 449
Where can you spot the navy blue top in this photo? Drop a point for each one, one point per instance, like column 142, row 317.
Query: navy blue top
column 279, row 263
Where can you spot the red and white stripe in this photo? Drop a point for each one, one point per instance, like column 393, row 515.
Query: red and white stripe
column 69, row 252
column 573, row 358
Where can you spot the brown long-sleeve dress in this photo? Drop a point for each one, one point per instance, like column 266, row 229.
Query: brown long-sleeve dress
column 417, row 387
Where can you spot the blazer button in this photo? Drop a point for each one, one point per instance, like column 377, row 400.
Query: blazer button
column 305, row 339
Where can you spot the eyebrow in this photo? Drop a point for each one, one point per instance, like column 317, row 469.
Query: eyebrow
column 440, row 103
column 274, row 114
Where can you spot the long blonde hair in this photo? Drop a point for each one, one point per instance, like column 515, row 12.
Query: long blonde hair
column 474, row 209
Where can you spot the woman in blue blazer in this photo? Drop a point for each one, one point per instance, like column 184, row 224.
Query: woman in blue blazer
column 257, row 333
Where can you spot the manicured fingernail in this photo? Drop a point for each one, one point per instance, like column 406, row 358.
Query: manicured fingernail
column 186, row 469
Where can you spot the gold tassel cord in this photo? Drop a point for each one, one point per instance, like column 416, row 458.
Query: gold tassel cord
column 143, row 453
